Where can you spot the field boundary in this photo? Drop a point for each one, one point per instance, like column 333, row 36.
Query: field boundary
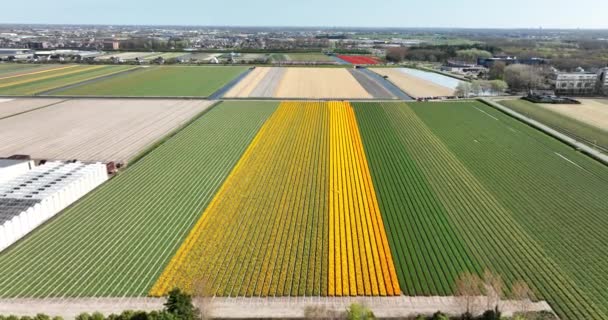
column 89, row 81
column 576, row 144
column 266, row 308
column 219, row 93
column 31, row 110
column 390, row 86
column 169, row 135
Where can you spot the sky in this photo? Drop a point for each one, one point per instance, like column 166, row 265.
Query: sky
column 328, row 13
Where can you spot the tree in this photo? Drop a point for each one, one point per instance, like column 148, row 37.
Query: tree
column 498, row 86
column 468, row 288
column 493, row 288
column 358, row 311
column 463, row 89
column 497, row 71
column 396, row 54
column 180, row 305
column 523, row 77
column 520, row 292
column 471, row 55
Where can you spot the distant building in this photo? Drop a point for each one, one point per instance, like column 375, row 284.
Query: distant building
column 111, row 45
column 463, row 68
column 602, row 83
column 37, row 45
column 574, row 83
column 509, row 60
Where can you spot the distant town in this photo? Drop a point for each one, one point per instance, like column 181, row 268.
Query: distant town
column 565, row 62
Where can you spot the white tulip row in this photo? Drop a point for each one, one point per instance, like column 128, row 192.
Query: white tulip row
column 36, row 196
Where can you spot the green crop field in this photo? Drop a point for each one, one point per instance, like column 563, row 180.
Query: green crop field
column 117, row 240
column 464, row 187
column 302, row 57
column 50, row 79
column 12, row 67
column 161, row 81
column 564, row 124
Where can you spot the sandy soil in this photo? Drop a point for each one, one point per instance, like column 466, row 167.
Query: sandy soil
column 268, row 86
column 414, row 86
column 95, row 129
column 242, row 308
column 9, row 107
column 592, row 112
column 244, row 88
column 318, row 83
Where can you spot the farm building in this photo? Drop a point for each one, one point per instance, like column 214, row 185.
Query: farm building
column 10, row 168
column 30, row 199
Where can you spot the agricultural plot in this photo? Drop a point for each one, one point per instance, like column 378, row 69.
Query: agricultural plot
column 168, row 55
column 307, row 83
column 364, row 60
column 39, row 82
column 7, row 69
column 319, row 83
column 11, row 107
column 414, row 85
column 203, row 56
column 92, row 130
column 297, row 216
column 127, row 55
column 116, row 241
column 444, row 175
column 310, row 57
column 587, row 122
column 160, row 82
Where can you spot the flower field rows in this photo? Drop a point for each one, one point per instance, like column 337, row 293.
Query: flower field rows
column 463, row 187
column 297, row 216
column 359, row 59
column 334, row 199
column 116, row 241
column 37, row 82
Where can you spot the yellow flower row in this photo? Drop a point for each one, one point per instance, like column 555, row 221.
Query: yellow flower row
column 52, row 75
column 297, row 216
column 360, row 259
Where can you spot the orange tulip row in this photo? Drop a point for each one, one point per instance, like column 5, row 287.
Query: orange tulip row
column 360, row 258
column 297, row 216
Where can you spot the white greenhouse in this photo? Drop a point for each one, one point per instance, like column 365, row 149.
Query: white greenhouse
column 32, row 198
column 10, row 169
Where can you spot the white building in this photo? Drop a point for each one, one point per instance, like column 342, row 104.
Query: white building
column 32, row 198
column 602, row 84
column 574, row 83
column 10, row 169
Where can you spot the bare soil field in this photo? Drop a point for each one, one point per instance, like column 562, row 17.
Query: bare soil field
column 9, row 107
column 412, row 85
column 318, row 83
column 245, row 87
column 94, row 129
column 590, row 111
column 306, row 83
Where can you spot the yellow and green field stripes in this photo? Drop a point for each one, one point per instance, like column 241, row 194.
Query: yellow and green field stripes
column 297, row 216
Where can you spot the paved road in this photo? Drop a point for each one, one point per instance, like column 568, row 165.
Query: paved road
column 232, row 308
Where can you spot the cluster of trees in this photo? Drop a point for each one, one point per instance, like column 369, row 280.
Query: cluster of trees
column 153, row 44
column 441, row 53
column 481, row 88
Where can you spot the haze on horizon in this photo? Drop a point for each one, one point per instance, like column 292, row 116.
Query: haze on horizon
column 561, row 14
